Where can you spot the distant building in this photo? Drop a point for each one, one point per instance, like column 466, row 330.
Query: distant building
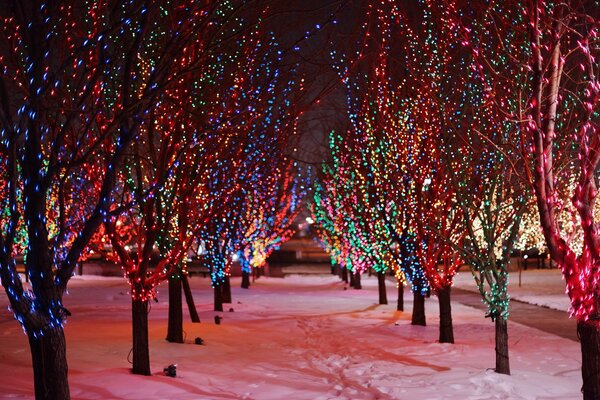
column 301, row 248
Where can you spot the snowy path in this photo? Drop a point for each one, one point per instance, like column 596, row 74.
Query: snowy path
column 543, row 287
column 293, row 338
column 538, row 317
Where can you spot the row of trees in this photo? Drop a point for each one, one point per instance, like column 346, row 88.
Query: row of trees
column 151, row 125
column 147, row 127
column 457, row 131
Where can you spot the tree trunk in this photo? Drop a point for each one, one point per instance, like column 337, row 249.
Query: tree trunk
column 418, row 314
column 357, row 284
column 141, row 352
column 50, row 370
column 226, row 293
column 245, row 280
column 589, row 336
column 502, row 362
column 345, row 274
column 218, row 290
column 382, row 290
column 333, row 269
column 400, row 305
column 175, row 325
column 446, row 331
column 189, row 299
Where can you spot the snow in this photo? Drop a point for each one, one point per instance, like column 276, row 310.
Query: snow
column 543, row 287
column 302, row 337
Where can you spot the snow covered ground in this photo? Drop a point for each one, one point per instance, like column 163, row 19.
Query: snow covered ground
column 302, row 337
column 543, row 287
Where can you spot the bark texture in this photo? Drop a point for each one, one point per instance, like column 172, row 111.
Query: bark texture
column 382, row 289
column 50, row 371
column 175, row 325
column 446, row 330
column 141, row 351
column 226, row 290
column 418, row 314
column 189, row 299
column 218, row 297
column 502, row 360
column 589, row 337
column 400, row 303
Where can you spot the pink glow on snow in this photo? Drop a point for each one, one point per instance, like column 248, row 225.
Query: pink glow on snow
column 293, row 338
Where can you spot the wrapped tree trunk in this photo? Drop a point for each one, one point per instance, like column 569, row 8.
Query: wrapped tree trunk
column 382, row 289
column 589, row 336
column 345, row 274
column 141, row 352
column 400, row 304
column 418, row 314
column 226, row 290
column 502, row 361
column 446, row 330
column 189, row 299
column 175, row 325
column 49, row 359
column 245, row 280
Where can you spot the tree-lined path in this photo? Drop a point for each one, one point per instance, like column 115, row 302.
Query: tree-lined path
column 408, row 139
column 301, row 338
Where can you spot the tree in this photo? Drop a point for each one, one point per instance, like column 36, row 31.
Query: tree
column 542, row 77
column 275, row 209
column 69, row 111
column 477, row 147
column 430, row 128
column 177, row 180
column 457, row 145
column 561, row 146
column 345, row 209
column 159, row 221
column 380, row 107
column 324, row 215
column 336, row 216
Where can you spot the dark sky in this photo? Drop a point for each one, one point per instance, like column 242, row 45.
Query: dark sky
column 310, row 30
